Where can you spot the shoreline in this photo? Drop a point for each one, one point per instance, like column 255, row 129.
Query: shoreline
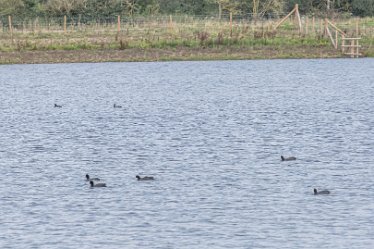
column 170, row 54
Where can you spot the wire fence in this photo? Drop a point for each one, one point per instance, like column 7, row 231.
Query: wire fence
column 89, row 20
column 81, row 22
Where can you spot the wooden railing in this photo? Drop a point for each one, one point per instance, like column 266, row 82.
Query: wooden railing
column 352, row 48
column 349, row 45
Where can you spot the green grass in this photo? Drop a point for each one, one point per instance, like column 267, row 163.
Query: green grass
column 198, row 33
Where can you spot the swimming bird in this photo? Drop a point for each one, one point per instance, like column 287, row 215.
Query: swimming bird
column 57, row 106
column 291, row 158
column 91, row 179
column 117, row 106
column 97, row 185
column 145, row 178
column 323, row 192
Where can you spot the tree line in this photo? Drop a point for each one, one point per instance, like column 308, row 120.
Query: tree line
column 257, row 8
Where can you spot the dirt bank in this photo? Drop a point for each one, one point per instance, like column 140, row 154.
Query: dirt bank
column 112, row 55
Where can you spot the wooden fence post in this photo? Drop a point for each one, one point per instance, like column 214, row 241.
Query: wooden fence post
column 118, row 24
column 170, row 22
column 36, row 24
column 325, row 27
column 357, row 29
column 230, row 24
column 10, row 24
column 313, row 26
column 352, row 48
column 330, row 36
column 306, row 25
column 298, row 18
column 64, row 24
column 336, row 39
column 79, row 21
column 10, row 27
column 358, row 47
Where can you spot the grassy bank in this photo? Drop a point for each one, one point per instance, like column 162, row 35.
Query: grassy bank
column 161, row 40
column 155, row 54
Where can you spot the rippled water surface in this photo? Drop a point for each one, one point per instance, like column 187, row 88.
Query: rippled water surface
column 211, row 133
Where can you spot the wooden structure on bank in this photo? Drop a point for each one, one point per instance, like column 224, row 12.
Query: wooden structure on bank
column 297, row 14
column 349, row 45
column 352, row 48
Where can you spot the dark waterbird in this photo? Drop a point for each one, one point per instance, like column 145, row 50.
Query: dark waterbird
column 291, row 158
column 145, row 178
column 91, row 179
column 97, row 185
column 117, row 106
column 57, row 106
column 323, row 192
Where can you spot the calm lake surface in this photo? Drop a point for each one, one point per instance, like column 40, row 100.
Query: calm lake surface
column 211, row 133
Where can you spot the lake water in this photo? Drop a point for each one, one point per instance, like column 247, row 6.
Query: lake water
column 211, row 133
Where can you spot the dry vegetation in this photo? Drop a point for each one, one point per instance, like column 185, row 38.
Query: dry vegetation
column 174, row 38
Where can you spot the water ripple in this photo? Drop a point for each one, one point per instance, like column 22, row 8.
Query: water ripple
column 211, row 133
